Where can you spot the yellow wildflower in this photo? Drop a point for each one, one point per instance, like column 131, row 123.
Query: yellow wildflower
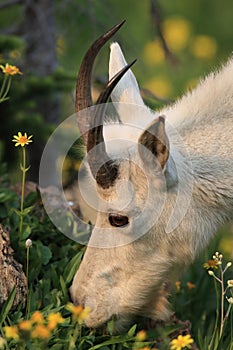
column 53, row 320
column 211, row 264
column 177, row 32
column 230, row 283
column 190, row 285
column 204, row 47
column 181, row 342
column 75, row 310
column 79, row 313
column 141, row 336
column 37, row 317
column 10, row 70
column 41, row 332
column 22, row 140
column 11, row 332
column 153, row 53
column 25, row 325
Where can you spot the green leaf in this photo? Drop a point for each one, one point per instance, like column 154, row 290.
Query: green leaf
column 7, row 306
column 114, row 340
column 17, row 211
column 63, row 287
column 26, row 232
column 30, row 199
column 72, row 267
column 55, row 277
column 57, row 346
column 27, row 210
column 44, row 253
column 132, row 331
column 110, row 326
column 7, row 195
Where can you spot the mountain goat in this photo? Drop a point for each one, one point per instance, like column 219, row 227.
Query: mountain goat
column 163, row 182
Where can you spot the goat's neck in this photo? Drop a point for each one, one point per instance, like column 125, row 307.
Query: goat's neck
column 200, row 194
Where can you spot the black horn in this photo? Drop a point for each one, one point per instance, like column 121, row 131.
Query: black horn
column 103, row 168
column 83, row 88
column 90, row 122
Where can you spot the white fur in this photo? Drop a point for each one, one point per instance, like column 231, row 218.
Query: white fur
column 131, row 278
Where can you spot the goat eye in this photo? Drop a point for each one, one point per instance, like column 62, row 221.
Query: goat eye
column 118, row 220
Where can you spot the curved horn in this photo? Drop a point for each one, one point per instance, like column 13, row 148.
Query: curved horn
column 83, row 88
column 104, row 170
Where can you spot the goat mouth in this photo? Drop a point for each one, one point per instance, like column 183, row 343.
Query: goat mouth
column 119, row 324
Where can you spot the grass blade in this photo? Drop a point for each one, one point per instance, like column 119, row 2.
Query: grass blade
column 7, row 306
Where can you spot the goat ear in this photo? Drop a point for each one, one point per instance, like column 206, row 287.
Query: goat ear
column 154, row 139
column 127, row 89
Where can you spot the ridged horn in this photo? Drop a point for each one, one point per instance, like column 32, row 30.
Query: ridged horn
column 90, row 122
column 83, row 88
column 104, row 170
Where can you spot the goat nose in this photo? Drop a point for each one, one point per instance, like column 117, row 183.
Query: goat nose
column 77, row 301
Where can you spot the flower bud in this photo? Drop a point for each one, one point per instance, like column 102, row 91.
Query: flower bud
column 230, row 300
column 230, row 283
column 141, row 335
column 28, row 243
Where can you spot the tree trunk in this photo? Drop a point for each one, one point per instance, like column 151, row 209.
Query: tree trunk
column 41, row 60
column 11, row 273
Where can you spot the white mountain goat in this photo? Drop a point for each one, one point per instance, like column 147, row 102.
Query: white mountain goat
column 163, row 189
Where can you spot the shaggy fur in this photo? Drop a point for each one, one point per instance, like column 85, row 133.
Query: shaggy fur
column 173, row 212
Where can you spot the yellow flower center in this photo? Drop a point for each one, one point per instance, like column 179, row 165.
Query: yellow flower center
column 23, row 139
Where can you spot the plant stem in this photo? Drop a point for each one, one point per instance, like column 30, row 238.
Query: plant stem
column 27, row 273
column 23, row 169
column 3, row 86
column 227, row 313
column 217, row 316
column 74, row 336
column 7, row 87
column 222, row 303
column 3, row 94
column 27, row 265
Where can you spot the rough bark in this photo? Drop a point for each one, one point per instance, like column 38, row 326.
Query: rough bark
column 11, row 272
